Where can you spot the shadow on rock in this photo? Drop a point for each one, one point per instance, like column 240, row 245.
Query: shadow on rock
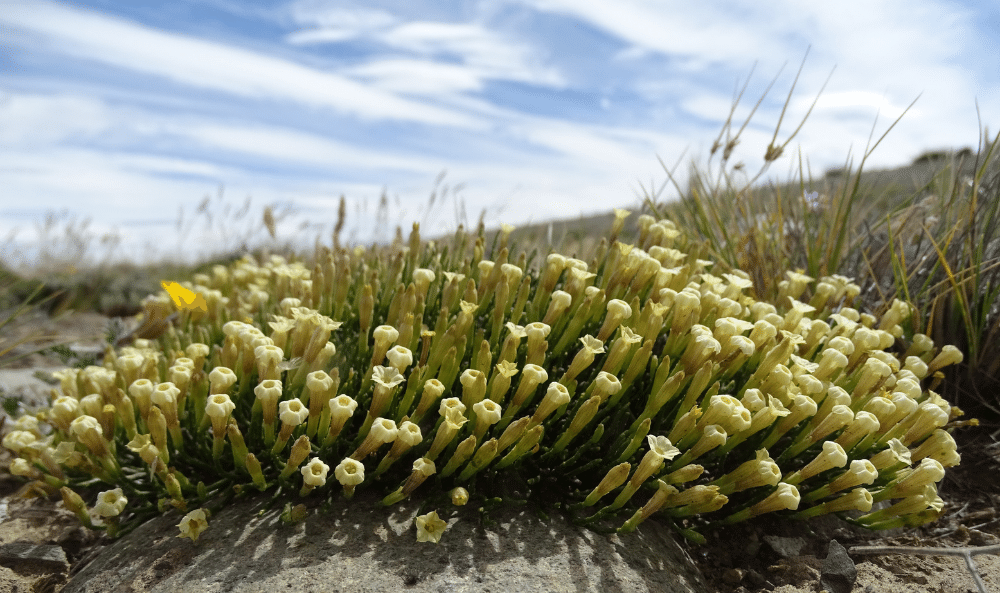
column 362, row 547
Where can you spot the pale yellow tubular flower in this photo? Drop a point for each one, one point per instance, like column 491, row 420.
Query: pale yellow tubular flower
column 939, row 446
column 221, row 380
column 63, row 411
column 268, row 392
column 451, row 403
column 430, row 527
column 423, row 468
column 929, row 471
column 606, row 385
column 620, row 349
column 786, row 497
column 795, row 314
column 896, row 455
column 727, row 412
column 500, row 383
column 839, row 417
column 141, row 391
column 487, row 413
column 314, row 473
column 949, row 355
column 422, row 279
column 433, row 389
column 760, row 471
column 383, row 430
column 408, row 435
column 110, row 503
column 584, row 357
column 292, row 412
column 859, row 499
column 617, row 312
column 399, row 357
column 555, row 396
column 386, row 380
column 660, row 450
column 87, row 430
column 753, row 400
column 712, row 437
column 193, row 524
column 341, row 409
column 873, row 376
column 915, row 366
column 473, row 386
column 217, row 410
column 832, row 456
column 142, row 445
column 268, row 357
column 21, row 467
column 881, row 407
column 861, row 472
column 92, row 404
column 532, row 376
column 385, row 336
column 864, row 424
column 559, row 302
column 923, row 422
column 349, row 472
column 537, row 332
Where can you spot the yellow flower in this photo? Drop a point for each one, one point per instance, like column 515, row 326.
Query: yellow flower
column 430, row 527
column 193, row 524
column 314, row 473
column 292, row 412
column 110, row 503
column 350, row 472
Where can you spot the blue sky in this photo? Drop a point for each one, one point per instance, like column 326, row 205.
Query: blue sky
column 128, row 112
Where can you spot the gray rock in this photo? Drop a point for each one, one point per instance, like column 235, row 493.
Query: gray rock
column 19, row 555
column 786, row 547
column 360, row 547
column 839, row 572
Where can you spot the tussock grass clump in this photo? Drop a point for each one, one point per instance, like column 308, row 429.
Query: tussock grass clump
column 636, row 380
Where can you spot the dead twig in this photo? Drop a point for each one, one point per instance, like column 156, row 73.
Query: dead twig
column 967, row 553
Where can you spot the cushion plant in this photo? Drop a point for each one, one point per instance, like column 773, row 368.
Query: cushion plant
column 631, row 384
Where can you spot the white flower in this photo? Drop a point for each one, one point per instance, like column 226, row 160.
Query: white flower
column 219, row 406
column 430, row 527
column 314, row 473
column 350, row 472
column 292, row 412
column 110, row 503
column 193, row 524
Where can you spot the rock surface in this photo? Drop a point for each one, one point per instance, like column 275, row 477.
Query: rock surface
column 362, row 547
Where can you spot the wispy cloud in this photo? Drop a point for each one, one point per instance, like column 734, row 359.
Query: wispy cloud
column 213, row 66
column 538, row 109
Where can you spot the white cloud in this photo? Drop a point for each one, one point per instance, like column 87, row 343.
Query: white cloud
column 290, row 146
column 420, row 77
column 209, row 65
column 32, row 120
column 334, row 24
column 486, row 52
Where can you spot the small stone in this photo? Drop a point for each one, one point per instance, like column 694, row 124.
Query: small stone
column 786, row 547
column 733, row 576
column 839, row 572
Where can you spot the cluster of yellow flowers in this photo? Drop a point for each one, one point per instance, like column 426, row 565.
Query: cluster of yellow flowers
column 503, row 378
